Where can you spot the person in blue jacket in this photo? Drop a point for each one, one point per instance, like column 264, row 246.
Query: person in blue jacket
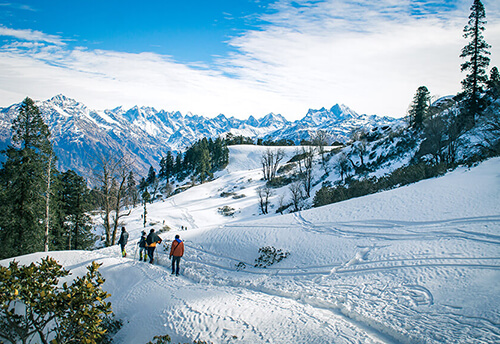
column 123, row 241
column 142, row 247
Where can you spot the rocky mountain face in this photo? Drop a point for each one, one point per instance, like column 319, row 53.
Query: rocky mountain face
column 81, row 135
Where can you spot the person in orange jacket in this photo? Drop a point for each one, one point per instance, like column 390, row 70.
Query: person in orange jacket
column 151, row 242
column 176, row 252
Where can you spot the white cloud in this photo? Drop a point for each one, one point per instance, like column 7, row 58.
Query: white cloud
column 104, row 79
column 371, row 56
column 31, row 35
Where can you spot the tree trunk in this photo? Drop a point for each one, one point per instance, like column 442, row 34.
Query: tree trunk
column 47, row 207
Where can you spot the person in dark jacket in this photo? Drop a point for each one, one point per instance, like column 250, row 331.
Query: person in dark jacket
column 142, row 247
column 123, row 241
column 151, row 241
column 176, row 252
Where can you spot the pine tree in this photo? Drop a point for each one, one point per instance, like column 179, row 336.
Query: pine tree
column 219, row 154
column 24, row 183
column 494, row 83
column 476, row 53
column 131, row 190
column 73, row 195
column 143, row 185
column 167, row 167
column 178, row 164
column 202, row 163
column 151, row 176
column 419, row 107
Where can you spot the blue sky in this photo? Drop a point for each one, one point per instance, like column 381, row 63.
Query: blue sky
column 188, row 30
column 239, row 57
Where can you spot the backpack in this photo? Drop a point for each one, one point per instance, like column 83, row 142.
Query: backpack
column 142, row 242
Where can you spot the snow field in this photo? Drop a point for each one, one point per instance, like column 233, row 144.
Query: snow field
column 418, row 264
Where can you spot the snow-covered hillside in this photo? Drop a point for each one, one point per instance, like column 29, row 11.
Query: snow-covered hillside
column 418, row 264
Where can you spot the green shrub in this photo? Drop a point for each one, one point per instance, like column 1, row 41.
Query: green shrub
column 270, row 255
column 298, row 157
column 279, row 182
column 227, row 194
column 283, row 207
column 357, row 188
column 226, row 211
column 286, row 168
column 112, row 326
column 33, row 307
column 240, row 266
column 164, row 229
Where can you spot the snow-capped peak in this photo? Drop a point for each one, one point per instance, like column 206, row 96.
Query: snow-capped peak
column 147, row 134
column 336, row 113
column 273, row 119
column 63, row 102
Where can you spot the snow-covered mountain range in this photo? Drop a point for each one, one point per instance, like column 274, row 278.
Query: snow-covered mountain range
column 145, row 134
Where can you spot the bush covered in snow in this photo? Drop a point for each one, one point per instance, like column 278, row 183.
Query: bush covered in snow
column 240, row 266
column 226, row 210
column 270, row 255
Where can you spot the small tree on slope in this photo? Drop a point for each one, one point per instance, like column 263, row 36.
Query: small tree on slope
column 419, row 107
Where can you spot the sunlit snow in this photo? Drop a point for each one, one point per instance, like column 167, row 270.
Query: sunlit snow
column 418, row 264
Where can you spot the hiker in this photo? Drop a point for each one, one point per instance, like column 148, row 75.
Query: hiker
column 142, row 247
column 176, row 252
column 151, row 241
column 123, row 241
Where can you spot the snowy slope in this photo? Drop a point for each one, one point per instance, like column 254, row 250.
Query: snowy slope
column 419, row 264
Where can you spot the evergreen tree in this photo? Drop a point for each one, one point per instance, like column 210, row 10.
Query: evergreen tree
column 24, row 183
column 131, row 190
column 143, row 184
column 189, row 161
column 203, row 165
column 178, row 165
column 494, row 83
column 419, row 107
column 58, row 230
column 219, row 154
column 202, row 161
column 167, row 167
column 151, row 176
column 73, row 197
column 323, row 196
column 476, row 53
